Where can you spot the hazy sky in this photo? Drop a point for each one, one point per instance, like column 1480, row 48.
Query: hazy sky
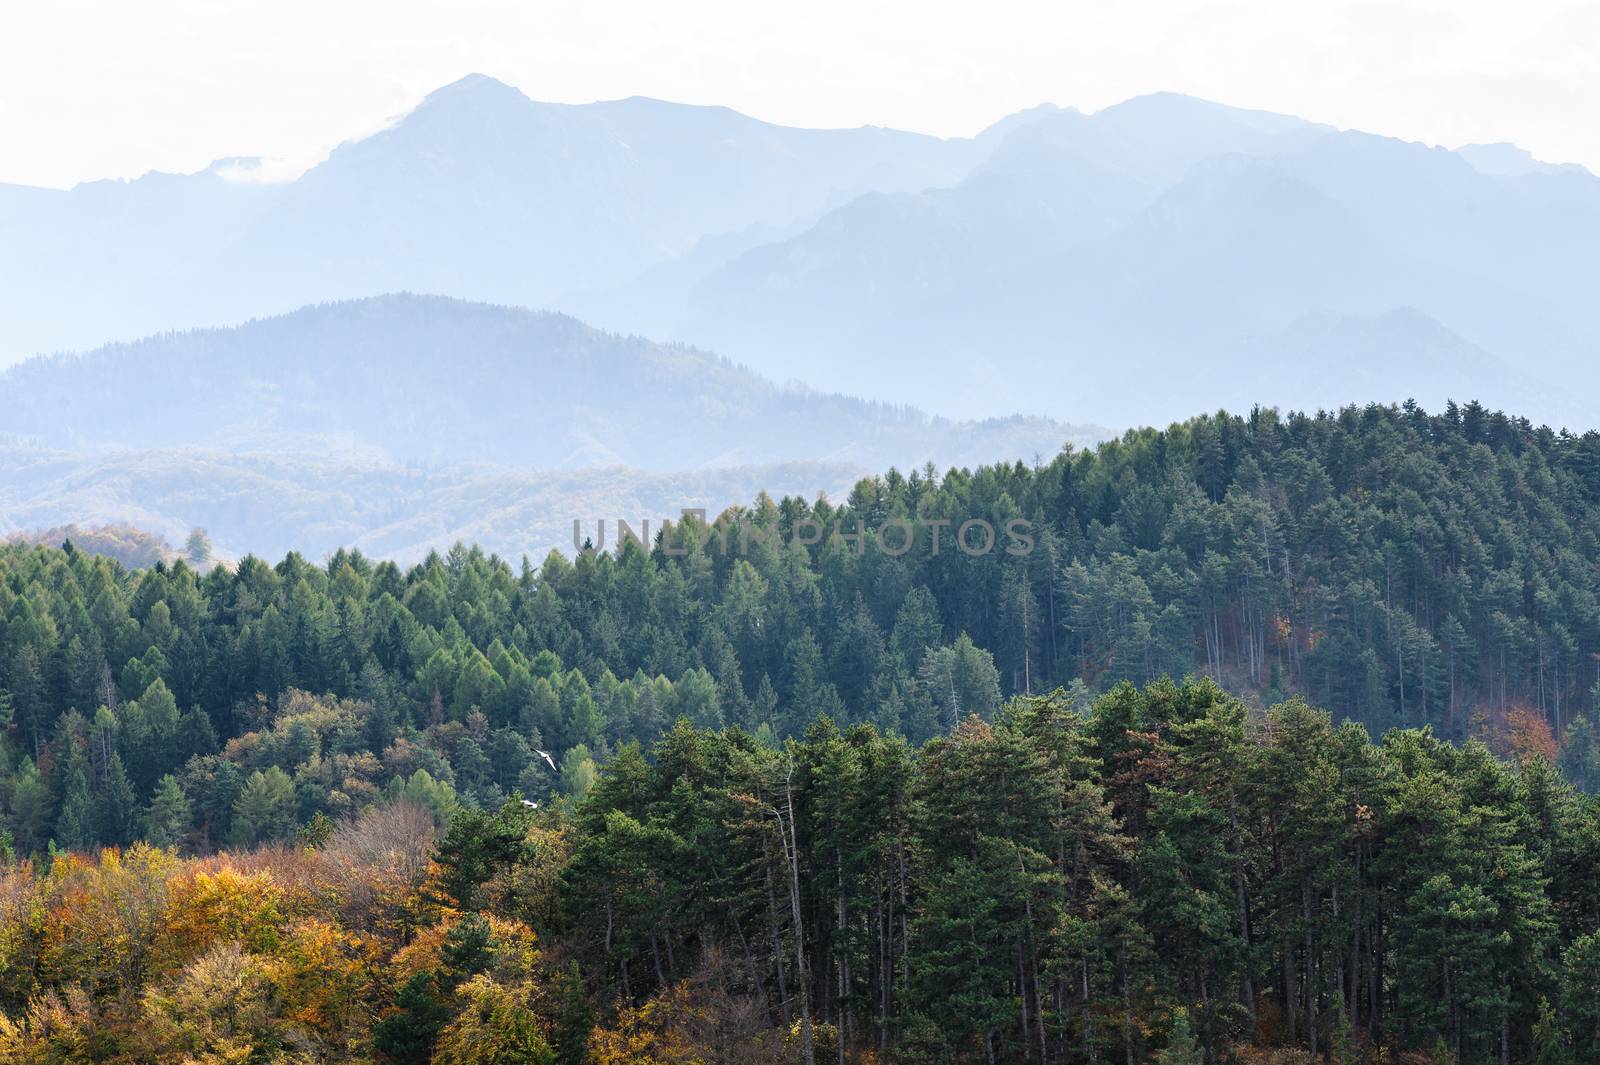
column 100, row 88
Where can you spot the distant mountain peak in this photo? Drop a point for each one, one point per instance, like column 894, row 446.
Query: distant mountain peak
column 1164, row 98
column 477, row 95
column 476, row 87
column 1182, row 108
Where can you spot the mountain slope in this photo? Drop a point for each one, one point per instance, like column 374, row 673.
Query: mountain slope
column 1129, row 262
column 424, row 379
column 1102, row 256
column 272, row 503
column 478, row 192
column 405, row 422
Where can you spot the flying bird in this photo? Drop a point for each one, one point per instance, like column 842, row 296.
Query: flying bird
column 546, row 756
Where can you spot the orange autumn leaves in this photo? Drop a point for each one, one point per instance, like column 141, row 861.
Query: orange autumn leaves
column 135, row 950
column 1528, row 732
column 288, row 955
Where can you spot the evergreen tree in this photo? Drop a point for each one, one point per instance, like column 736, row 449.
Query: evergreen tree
column 575, row 1020
column 30, row 808
column 1548, row 1047
column 266, row 808
column 76, row 820
column 408, row 1035
column 168, row 817
column 578, row 772
column 811, row 694
column 764, row 708
column 477, row 846
column 117, row 806
column 1181, row 1048
column 1580, row 996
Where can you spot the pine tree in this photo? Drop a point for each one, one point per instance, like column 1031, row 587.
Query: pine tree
column 695, row 697
column 117, row 805
column 30, row 702
column 408, row 1035
column 76, row 823
column 477, row 846
column 266, row 808
column 317, row 831
column 466, row 951
column 30, row 808
column 1181, row 1048
column 575, row 1020
column 1341, row 1037
column 811, row 694
column 961, row 680
column 916, row 626
column 578, row 772
column 168, row 817
column 764, row 707
column 1548, row 1046
column 1580, row 996
column 195, row 736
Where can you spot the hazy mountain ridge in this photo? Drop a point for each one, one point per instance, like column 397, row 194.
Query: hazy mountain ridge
column 424, row 379
column 1132, row 255
column 478, row 192
column 1096, row 264
column 277, row 502
column 405, row 422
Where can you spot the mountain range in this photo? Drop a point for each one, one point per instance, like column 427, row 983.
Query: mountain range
column 825, row 304
column 1169, row 252
column 428, row 380
column 1128, row 266
column 401, row 423
column 478, row 192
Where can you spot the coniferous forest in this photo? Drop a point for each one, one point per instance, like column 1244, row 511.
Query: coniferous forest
column 1278, row 745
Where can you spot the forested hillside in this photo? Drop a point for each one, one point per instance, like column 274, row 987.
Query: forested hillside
column 1164, row 878
column 1065, row 880
column 1396, row 567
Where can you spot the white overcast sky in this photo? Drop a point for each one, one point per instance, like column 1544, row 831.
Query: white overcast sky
column 112, row 88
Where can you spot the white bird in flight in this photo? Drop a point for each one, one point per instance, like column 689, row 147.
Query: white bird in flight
column 546, row 756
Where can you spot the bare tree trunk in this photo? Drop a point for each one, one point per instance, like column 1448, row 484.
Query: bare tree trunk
column 777, row 943
column 1127, row 1005
column 1243, row 902
column 842, row 957
column 791, row 846
column 1311, row 967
